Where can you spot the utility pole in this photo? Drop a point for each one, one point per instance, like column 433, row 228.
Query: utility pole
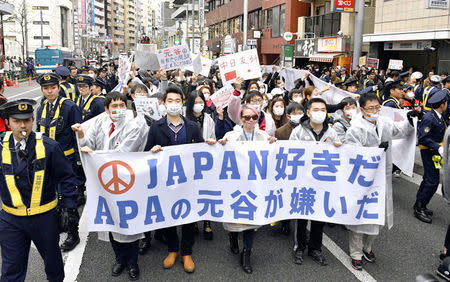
column 25, row 23
column 245, row 25
column 42, row 30
column 359, row 27
column 193, row 25
column 187, row 24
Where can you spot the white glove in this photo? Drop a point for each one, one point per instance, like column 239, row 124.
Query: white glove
column 441, row 151
column 375, row 88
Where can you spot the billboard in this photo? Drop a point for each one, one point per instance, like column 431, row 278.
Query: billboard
column 344, row 5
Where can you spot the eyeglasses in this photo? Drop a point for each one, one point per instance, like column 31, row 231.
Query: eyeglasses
column 374, row 108
column 247, row 118
column 259, row 101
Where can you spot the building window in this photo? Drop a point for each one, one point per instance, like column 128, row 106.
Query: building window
column 39, row 22
column 43, row 37
column 40, row 7
column 278, row 20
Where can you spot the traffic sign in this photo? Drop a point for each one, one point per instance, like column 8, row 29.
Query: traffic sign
column 288, row 36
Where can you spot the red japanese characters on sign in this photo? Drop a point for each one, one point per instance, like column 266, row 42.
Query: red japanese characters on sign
column 244, row 64
column 344, row 5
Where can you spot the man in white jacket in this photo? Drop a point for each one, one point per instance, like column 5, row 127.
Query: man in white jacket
column 372, row 130
column 115, row 131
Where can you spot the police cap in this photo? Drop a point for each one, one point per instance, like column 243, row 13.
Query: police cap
column 62, row 71
column 99, row 82
column 404, row 74
column 394, row 85
column 84, row 68
column 438, row 98
column 84, row 79
column 102, row 69
column 417, row 75
column 435, row 79
column 407, row 87
column 351, row 82
column 49, row 78
column 20, row 109
column 371, row 71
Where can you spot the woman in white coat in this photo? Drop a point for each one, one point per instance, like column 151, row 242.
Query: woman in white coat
column 195, row 111
column 372, row 130
column 247, row 132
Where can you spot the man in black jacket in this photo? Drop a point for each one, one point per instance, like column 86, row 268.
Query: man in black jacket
column 174, row 129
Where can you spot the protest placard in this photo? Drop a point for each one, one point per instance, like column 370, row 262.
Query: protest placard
column 146, row 61
column 149, row 48
column 174, row 57
column 372, row 63
column 147, row 106
column 251, row 183
column 244, row 64
column 221, row 97
column 395, row 64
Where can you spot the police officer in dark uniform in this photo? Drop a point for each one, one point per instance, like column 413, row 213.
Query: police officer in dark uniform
column 90, row 105
column 98, row 87
column 429, row 91
column 395, row 90
column 103, row 76
column 68, row 90
column 37, row 167
column 54, row 119
column 430, row 132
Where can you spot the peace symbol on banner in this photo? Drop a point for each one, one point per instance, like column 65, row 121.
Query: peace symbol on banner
column 115, row 185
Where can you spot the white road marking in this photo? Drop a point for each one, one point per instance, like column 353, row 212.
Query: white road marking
column 74, row 257
column 344, row 258
column 20, row 94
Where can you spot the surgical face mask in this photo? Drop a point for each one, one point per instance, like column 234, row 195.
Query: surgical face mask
column 265, row 104
column 295, row 119
column 178, row 79
column 297, row 99
column 207, row 96
column 372, row 117
column 198, row 108
column 91, row 75
column 410, row 95
column 118, row 115
column 173, row 109
column 278, row 111
column 257, row 107
column 350, row 113
column 262, row 90
column 318, row 117
column 162, row 110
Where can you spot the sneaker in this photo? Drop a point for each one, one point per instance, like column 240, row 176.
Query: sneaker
column 370, row 257
column 357, row 264
column 298, row 256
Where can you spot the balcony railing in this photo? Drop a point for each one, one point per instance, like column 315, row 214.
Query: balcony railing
column 323, row 25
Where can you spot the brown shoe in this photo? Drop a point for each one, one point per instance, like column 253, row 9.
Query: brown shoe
column 189, row 265
column 169, row 261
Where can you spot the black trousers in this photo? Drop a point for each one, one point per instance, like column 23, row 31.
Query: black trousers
column 125, row 252
column 430, row 180
column 315, row 236
column 187, row 239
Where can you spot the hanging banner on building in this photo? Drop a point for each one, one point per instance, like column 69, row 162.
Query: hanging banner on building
column 437, row 4
column 201, row 12
column 174, row 57
column 330, row 44
column 243, row 64
column 344, row 5
column 250, row 183
column 395, row 64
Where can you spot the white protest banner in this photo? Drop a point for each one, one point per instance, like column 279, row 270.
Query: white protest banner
column 403, row 150
column 146, row 61
column 147, row 106
column 124, row 68
column 243, row 64
column 222, row 96
column 174, row 57
column 206, row 66
column 395, row 64
column 148, row 48
column 251, row 183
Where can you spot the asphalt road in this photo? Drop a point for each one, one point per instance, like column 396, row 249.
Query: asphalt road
column 408, row 249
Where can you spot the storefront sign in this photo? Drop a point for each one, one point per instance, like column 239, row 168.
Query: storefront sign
column 344, row 5
column 287, row 55
column 304, row 48
column 329, row 44
column 437, row 4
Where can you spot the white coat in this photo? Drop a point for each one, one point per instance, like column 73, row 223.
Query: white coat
column 303, row 133
column 237, row 135
column 233, row 112
column 364, row 133
column 127, row 137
